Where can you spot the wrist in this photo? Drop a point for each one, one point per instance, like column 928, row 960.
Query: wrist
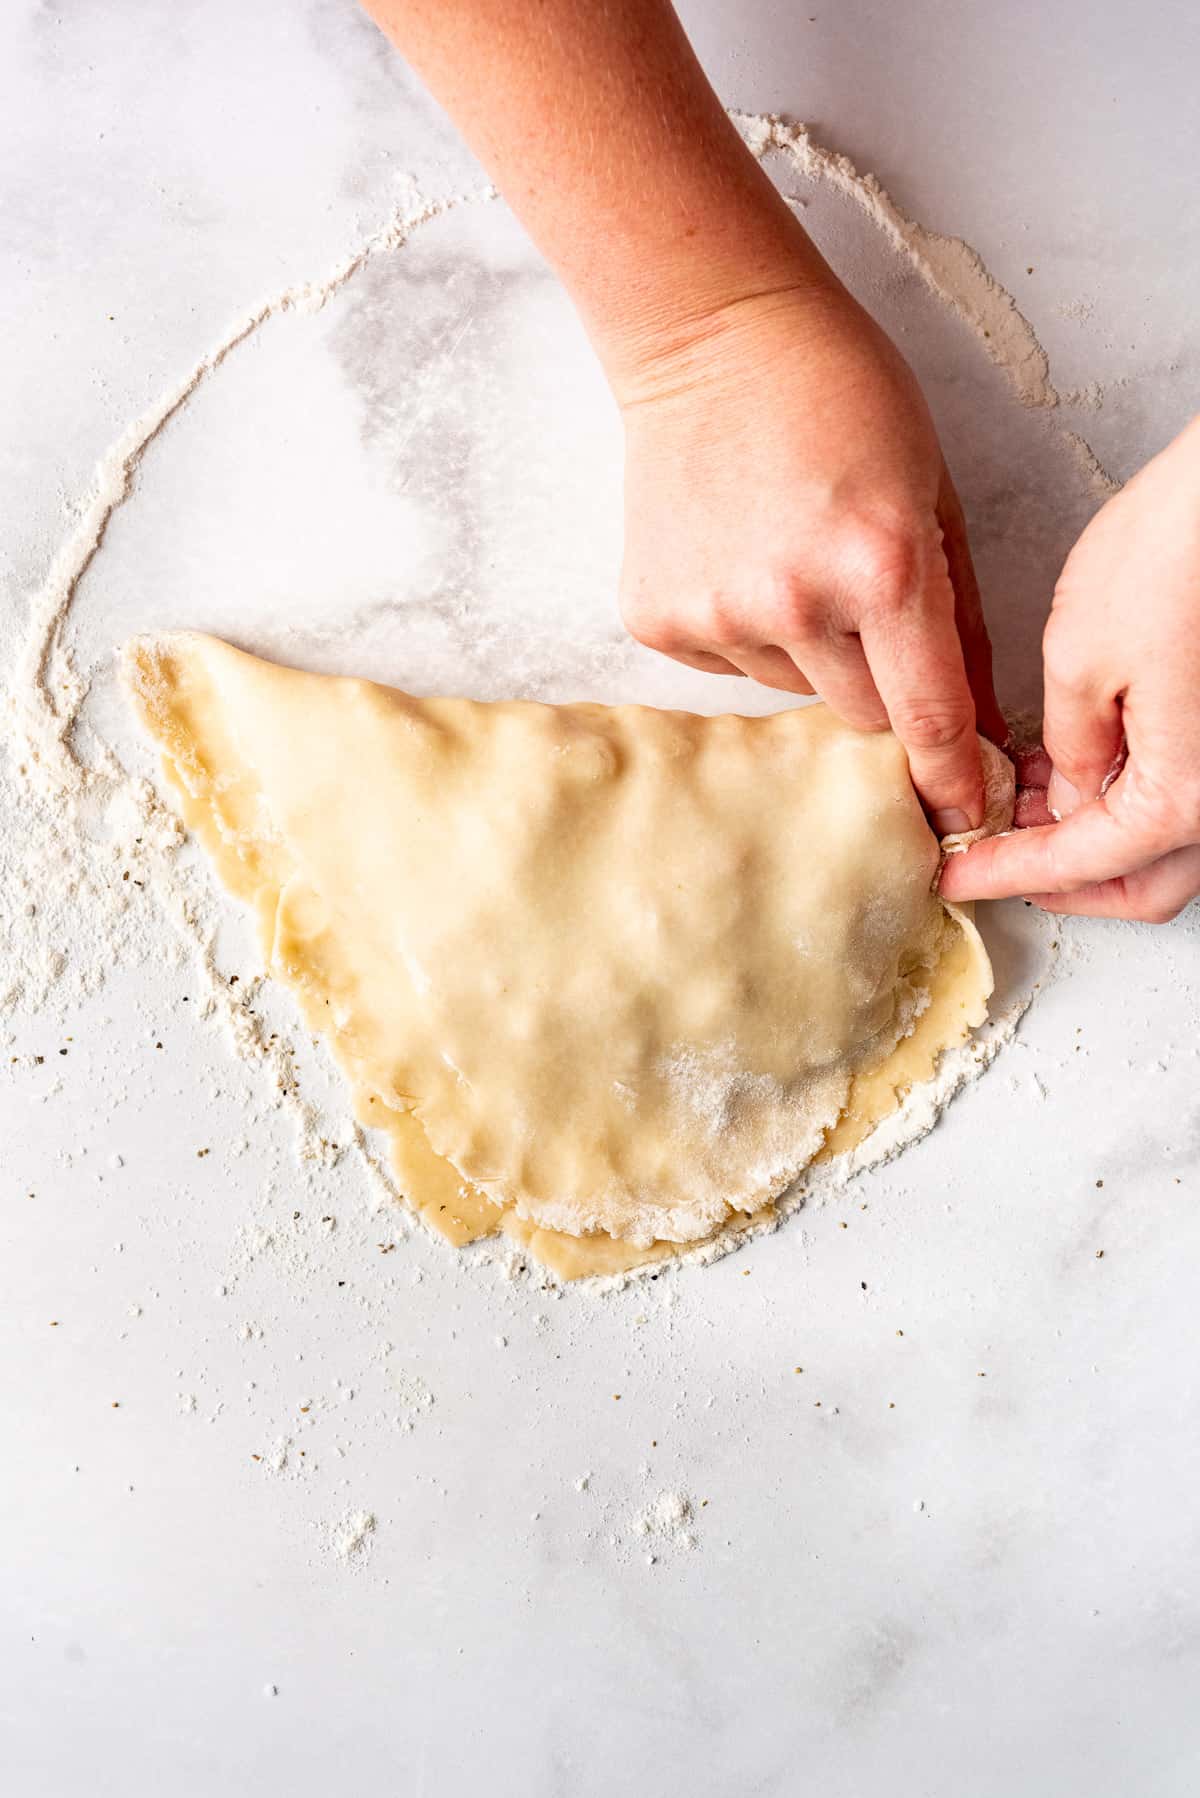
column 706, row 336
column 719, row 255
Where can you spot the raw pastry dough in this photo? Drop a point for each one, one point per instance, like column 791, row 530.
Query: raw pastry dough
column 610, row 977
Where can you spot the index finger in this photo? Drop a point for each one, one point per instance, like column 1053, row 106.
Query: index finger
column 1095, row 843
column 917, row 663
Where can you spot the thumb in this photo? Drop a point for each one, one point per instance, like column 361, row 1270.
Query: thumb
column 1083, row 730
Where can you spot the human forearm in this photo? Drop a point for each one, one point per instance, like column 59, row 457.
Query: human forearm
column 596, row 120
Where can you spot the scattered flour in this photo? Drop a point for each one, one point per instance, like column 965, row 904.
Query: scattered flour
column 667, row 1519
column 1078, row 310
column 414, row 1395
column 1089, row 398
column 1098, row 479
column 351, row 1536
column 277, row 1458
column 662, row 1521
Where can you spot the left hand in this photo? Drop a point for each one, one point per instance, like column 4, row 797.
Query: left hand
column 1122, row 660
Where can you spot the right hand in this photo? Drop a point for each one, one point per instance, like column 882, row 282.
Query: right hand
column 789, row 516
column 1122, row 725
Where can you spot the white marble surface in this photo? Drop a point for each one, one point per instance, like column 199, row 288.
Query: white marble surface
column 972, row 1566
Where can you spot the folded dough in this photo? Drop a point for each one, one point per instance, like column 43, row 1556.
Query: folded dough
column 611, row 978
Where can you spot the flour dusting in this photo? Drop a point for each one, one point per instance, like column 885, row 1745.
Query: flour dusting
column 667, row 1519
column 713, row 1090
column 352, row 1534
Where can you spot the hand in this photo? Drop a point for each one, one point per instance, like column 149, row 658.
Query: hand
column 789, row 517
column 1122, row 654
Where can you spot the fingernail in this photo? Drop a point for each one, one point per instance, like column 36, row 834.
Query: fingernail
column 949, row 822
column 1061, row 797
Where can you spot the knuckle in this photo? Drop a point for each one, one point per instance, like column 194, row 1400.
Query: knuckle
column 700, row 622
column 1067, row 760
column 798, row 611
column 653, row 633
column 651, row 626
column 926, row 724
column 639, row 620
column 883, row 564
column 716, row 619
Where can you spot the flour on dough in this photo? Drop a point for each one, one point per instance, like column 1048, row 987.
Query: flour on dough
column 609, row 977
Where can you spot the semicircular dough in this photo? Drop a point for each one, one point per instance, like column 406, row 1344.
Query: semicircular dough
column 611, row 977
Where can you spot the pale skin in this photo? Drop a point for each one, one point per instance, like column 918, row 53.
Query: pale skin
column 1122, row 657
column 789, row 513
